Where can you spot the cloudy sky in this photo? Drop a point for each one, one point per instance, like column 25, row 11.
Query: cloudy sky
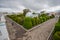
column 18, row 5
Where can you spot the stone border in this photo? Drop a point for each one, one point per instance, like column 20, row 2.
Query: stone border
column 38, row 25
column 50, row 35
column 16, row 23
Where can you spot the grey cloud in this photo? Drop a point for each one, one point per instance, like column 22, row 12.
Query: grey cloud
column 54, row 2
column 31, row 4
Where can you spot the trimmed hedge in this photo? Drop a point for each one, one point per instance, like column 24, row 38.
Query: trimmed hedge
column 28, row 22
column 57, row 27
column 56, row 36
column 33, row 22
column 57, row 31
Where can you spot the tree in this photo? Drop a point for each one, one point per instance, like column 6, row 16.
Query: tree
column 52, row 16
column 39, row 15
column 33, row 13
column 42, row 11
column 57, row 27
column 25, row 11
column 20, row 15
column 59, row 20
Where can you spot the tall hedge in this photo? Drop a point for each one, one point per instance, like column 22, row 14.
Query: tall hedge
column 57, row 27
column 33, row 22
column 57, row 31
column 56, row 36
column 52, row 16
column 27, row 23
column 37, row 20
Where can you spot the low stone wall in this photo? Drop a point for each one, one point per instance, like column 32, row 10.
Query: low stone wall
column 15, row 30
column 50, row 37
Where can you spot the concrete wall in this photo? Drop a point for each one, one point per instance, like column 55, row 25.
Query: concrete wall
column 15, row 30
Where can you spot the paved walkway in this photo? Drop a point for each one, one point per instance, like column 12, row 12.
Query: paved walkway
column 42, row 32
column 3, row 30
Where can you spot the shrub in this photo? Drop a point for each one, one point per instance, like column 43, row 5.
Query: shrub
column 56, row 33
column 44, row 19
column 57, row 27
column 19, row 20
column 52, row 16
column 27, row 23
column 33, row 22
column 41, row 20
column 37, row 20
column 59, row 20
column 20, row 15
column 43, row 15
column 56, row 36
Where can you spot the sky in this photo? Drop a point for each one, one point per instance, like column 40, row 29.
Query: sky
column 35, row 5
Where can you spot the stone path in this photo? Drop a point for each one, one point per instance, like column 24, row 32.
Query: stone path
column 42, row 32
column 3, row 31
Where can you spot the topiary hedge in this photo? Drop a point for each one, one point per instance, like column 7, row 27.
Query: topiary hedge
column 57, row 27
column 56, row 36
column 28, row 22
column 33, row 22
column 57, row 31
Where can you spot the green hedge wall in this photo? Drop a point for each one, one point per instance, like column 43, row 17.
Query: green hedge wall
column 57, row 31
column 57, row 27
column 28, row 22
column 56, row 36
